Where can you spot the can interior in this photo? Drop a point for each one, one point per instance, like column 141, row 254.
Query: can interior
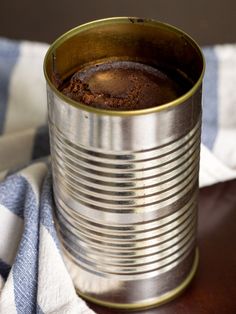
column 133, row 39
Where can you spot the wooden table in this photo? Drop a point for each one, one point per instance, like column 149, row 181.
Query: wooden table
column 213, row 290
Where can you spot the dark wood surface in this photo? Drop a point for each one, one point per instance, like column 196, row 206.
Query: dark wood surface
column 213, row 290
column 209, row 22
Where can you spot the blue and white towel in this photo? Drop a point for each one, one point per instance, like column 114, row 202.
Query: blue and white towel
column 33, row 276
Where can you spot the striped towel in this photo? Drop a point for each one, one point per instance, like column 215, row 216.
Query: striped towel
column 33, row 276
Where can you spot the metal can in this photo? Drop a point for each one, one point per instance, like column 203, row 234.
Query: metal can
column 126, row 182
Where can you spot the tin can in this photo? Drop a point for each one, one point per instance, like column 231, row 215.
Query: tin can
column 126, row 182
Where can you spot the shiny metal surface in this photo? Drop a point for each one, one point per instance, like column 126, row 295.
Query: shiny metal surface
column 126, row 183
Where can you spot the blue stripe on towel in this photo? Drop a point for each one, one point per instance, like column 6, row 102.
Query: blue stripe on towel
column 17, row 195
column 13, row 192
column 210, row 99
column 25, row 268
column 9, row 52
column 46, row 208
column 4, row 269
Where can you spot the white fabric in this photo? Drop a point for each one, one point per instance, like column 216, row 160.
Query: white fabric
column 33, row 276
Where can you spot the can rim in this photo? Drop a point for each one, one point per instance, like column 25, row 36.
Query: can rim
column 167, row 297
column 119, row 20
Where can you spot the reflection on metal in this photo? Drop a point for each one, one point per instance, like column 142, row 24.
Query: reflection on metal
column 126, row 182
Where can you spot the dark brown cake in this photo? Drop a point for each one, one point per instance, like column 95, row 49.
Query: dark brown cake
column 122, row 85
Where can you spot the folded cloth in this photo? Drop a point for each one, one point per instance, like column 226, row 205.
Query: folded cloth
column 33, row 276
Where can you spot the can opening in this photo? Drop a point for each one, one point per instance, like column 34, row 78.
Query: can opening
column 124, row 39
column 138, row 40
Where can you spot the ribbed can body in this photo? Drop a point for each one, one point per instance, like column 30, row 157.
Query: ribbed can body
column 126, row 184
column 126, row 196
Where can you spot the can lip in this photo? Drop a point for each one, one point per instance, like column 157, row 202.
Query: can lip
column 118, row 20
